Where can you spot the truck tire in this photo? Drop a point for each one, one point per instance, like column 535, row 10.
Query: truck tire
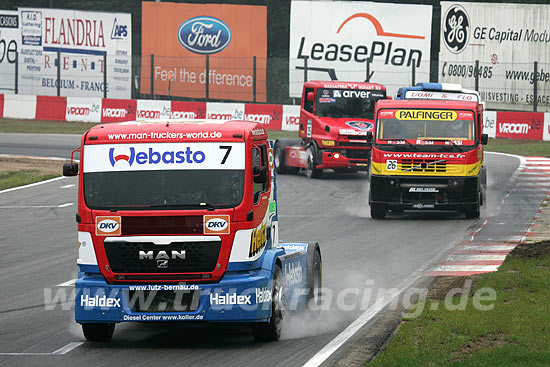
column 271, row 331
column 311, row 171
column 314, row 279
column 279, row 156
column 377, row 212
column 100, row 332
column 474, row 214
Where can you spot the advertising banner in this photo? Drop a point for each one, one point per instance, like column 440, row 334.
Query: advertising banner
column 336, row 39
column 224, row 111
column 490, row 123
column 118, row 110
column 269, row 115
column 83, row 109
column 82, row 39
column 180, row 36
column 188, row 110
column 9, row 36
column 506, row 39
column 520, row 125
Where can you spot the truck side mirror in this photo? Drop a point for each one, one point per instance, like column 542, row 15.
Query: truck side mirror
column 261, row 176
column 310, row 96
column 70, row 169
column 484, row 139
column 369, row 136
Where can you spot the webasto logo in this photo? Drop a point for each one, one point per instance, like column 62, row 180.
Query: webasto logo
column 153, row 157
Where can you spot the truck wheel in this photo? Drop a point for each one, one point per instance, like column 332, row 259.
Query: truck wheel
column 279, row 153
column 314, row 296
column 473, row 214
column 101, row 332
column 271, row 331
column 377, row 212
column 311, row 171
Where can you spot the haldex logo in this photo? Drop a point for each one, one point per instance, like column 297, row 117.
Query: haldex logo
column 456, row 29
column 97, row 301
column 153, row 157
column 360, row 125
column 204, row 35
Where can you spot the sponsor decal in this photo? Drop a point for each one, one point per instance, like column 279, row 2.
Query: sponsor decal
column 230, row 299
column 361, row 125
column 328, row 143
column 263, row 295
column 258, row 240
column 456, row 29
column 294, row 273
column 440, row 115
column 337, row 93
column 391, row 165
column 114, row 112
column 97, row 301
column 216, row 224
column 204, row 35
column 153, row 157
column 351, row 132
column 356, row 94
column 270, row 158
column 161, row 256
column 423, row 189
column 295, row 247
column 423, row 206
column 326, row 100
column 259, row 131
column 107, row 226
column 272, row 206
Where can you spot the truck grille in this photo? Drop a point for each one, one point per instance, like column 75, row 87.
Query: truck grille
column 357, row 153
column 200, row 256
column 422, row 165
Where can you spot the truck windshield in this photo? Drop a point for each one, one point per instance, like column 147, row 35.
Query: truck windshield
column 163, row 189
column 163, row 175
column 426, row 125
column 347, row 103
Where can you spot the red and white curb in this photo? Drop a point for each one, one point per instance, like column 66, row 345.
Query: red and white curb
column 482, row 257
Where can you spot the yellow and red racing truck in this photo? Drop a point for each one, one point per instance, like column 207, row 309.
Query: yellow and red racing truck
column 427, row 155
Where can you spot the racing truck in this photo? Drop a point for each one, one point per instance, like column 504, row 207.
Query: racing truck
column 177, row 221
column 427, row 154
column 334, row 120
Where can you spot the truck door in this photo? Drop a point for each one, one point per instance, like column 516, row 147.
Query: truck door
column 306, row 113
column 260, row 182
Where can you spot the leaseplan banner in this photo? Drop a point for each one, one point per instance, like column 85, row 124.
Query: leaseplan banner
column 9, row 34
column 180, row 36
column 337, row 39
column 82, row 38
column 506, row 39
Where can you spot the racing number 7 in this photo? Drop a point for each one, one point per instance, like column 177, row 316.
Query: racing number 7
column 228, row 150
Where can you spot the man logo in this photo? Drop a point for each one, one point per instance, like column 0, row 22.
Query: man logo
column 456, row 29
column 107, row 226
column 216, row 224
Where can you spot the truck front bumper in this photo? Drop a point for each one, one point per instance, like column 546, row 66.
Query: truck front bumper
column 338, row 160
column 239, row 296
column 424, row 193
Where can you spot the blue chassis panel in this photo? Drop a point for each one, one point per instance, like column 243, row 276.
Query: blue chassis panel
column 99, row 302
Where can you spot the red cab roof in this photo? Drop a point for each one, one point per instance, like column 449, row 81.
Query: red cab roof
column 343, row 85
column 427, row 104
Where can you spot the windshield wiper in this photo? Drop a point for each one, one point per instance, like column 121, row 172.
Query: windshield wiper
column 405, row 140
column 202, row 205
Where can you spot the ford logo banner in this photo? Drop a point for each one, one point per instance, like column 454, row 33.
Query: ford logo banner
column 204, row 35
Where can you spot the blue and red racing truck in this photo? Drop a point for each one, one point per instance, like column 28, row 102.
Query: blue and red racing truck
column 178, row 222
column 334, row 120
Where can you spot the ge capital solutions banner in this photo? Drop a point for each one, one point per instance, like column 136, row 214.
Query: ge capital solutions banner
column 506, row 39
column 82, row 38
column 181, row 35
column 337, row 38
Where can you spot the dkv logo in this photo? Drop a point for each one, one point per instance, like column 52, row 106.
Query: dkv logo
column 107, row 226
column 204, row 35
column 216, row 224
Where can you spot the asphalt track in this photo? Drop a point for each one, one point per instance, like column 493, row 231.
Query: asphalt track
column 38, row 244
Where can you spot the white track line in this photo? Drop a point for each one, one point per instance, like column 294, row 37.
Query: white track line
column 61, row 351
column 444, row 268
column 68, row 283
column 33, row 184
column 34, row 206
column 67, row 186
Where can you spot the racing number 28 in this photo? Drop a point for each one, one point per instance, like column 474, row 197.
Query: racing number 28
column 227, row 151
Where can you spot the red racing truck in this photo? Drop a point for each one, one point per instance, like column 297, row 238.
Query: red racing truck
column 427, row 155
column 334, row 120
column 178, row 222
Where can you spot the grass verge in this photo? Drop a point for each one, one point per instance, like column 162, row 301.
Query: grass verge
column 17, row 172
column 513, row 332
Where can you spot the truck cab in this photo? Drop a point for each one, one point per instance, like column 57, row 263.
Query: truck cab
column 334, row 120
column 427, row 155
column 177, row 221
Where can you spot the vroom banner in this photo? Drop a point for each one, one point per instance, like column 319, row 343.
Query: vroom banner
column 506, row 39
column 9, row 36
column 337, row 39
column 82, row 38
column 180, row 36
